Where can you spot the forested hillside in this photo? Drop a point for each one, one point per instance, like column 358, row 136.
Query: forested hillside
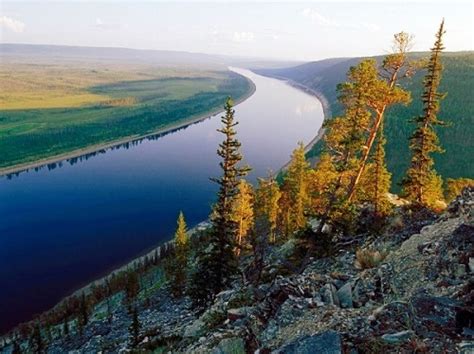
column 457, row 109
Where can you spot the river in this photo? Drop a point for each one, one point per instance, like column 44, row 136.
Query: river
column 69, row 223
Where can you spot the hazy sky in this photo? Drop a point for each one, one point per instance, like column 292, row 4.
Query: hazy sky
column 285, row 30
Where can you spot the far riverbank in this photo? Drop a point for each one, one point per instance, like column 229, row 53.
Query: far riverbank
column 183, row 123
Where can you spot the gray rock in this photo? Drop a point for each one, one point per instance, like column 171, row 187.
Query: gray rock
column 460, row 270
column 466, row 347
column 324, row 343
column 196, row 329
column 434, row 314
column 397, row 338
column 471, row 264
column 230, row 346
column 234, row 314
column 344, row 295
column 329, row 294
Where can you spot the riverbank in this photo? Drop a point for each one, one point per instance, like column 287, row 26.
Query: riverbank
column 204, row 224
column 109, row 145
column 159, row 198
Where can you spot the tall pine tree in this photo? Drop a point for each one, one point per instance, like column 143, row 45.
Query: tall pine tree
column 384, row 92
column 422, row 185
column 344, row 141
column 217, row 263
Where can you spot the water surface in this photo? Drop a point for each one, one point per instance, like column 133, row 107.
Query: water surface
column 63, row 226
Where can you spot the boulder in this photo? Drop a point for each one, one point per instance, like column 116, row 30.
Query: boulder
column 235, row 314
column 398, row 338
column 196, row 329
column 329, row 294
column 323, row 343
column 230, row 346
column 344, row 294
column 434, row 314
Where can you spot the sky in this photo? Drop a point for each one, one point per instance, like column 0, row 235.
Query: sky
column 275, row 30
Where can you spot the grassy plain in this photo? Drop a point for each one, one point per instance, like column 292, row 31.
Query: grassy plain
column 52, row 108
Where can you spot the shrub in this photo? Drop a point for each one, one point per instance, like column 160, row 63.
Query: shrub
column 368, row 258
column 454, row 187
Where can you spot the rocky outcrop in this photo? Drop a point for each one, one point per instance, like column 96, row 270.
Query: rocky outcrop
column 419, row 298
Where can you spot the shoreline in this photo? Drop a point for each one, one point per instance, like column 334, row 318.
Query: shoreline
column 23, row 167
column 205, row 223
column 96, row 148
column 202, row 225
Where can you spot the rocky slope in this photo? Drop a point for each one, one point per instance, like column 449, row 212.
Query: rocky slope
column 418, row 299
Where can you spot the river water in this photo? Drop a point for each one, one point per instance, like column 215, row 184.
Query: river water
column 67, row 224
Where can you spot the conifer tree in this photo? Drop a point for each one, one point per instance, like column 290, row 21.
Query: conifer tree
column 37, row 340
column 344, row 141
column 134, row 328
column 83, row 310
column 321, row 179
column 296, row 189
column 422, row 185
column 376, row 181
column 180, row 262
column 384, row 92
column 66, row 327
column 267, row 199
column 454, row 187
column 16, row 347
column 242, row 213
column 217, row 263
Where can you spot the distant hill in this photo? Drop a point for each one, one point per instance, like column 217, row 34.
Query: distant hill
column 143, row 56
column 457, row 109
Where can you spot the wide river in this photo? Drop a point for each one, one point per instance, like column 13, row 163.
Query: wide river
column 63, row 227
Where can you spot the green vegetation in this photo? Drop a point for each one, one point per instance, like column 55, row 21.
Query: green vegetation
column 454, row 187
column 422, row 185
column 76, row 111
column 177, row 268
column 217, row 265
column 312, row 207
column 457, row 110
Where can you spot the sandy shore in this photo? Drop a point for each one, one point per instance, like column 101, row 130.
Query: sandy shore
column 104, row 146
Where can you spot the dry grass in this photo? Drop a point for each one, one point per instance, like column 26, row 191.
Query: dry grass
column 368, row 258
column 62, row 84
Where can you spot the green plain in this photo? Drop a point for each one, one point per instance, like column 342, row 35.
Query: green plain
column 145, row 101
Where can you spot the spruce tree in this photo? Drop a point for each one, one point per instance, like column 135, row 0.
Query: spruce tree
column 66, row 327
column 83, row 311
column 180, row 262
column 134, row 328
column 217, row 263
column 422, row 185
column 321, row 179
column 242, row 213
column 267, row 199
column 37, row 340
column 16, row 348
column 296, row 190
column 376, row 181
